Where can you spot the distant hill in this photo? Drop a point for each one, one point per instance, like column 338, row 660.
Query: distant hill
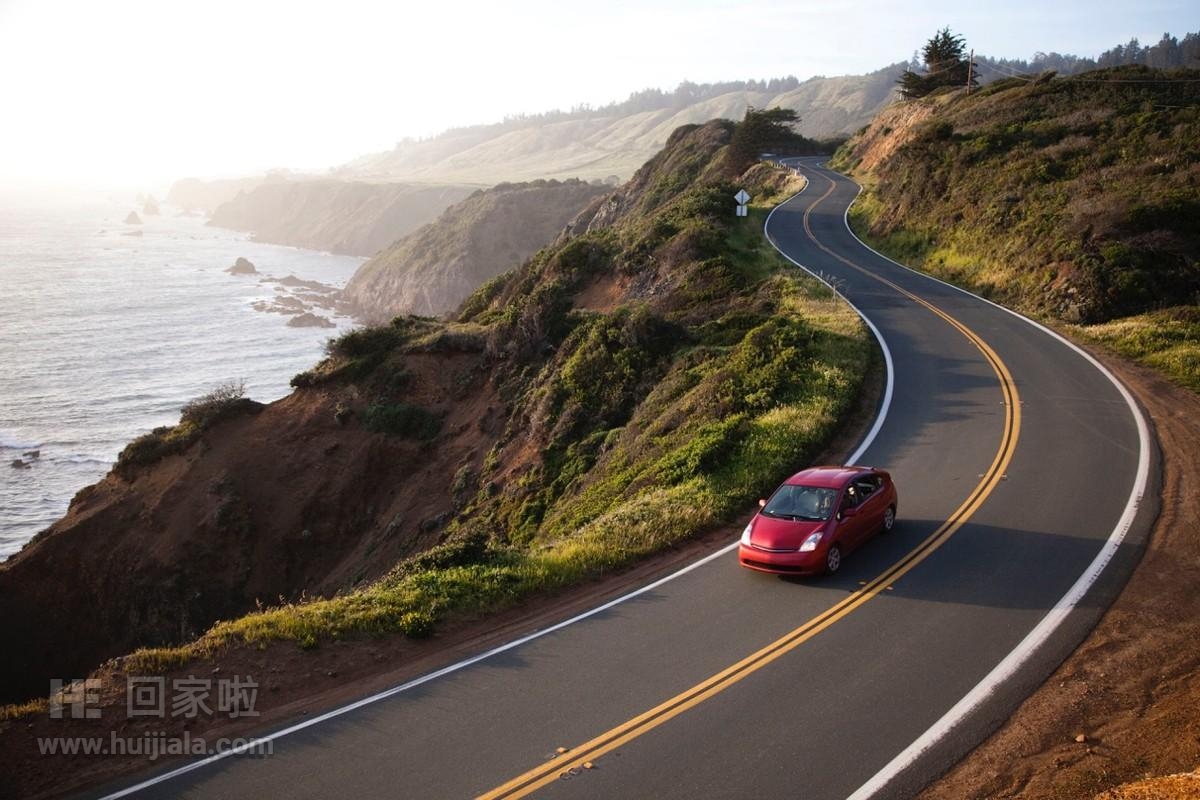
column 192, row 194
column 431, row 271
column 349, row 217
column 611, row 142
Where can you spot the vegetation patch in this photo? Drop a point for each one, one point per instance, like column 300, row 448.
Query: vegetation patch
column 1168, row 340
column 1073, row 199
column 403, row 420
column 196, row 416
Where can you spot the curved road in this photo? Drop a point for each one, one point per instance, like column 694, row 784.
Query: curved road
column 1021, row 468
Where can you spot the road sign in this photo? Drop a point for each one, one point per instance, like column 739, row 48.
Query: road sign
column 742, row 197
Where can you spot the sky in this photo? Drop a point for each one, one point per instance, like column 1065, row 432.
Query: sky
column 137, row 93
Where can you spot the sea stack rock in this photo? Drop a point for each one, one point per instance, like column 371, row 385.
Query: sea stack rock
column 133, row 219
column 308, row 320
column 150, row 208
column 242, row 267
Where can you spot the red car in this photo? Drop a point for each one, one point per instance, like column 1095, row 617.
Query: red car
column 816, row 517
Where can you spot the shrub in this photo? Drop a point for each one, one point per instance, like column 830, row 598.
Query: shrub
column 403, row 420
column 210, row 407
column 196, row 416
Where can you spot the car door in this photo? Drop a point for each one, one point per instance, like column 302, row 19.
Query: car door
column 850, row 519
column 872, row 504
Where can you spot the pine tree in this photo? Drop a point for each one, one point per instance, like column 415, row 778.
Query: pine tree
column 946, row 64
column 763, row 129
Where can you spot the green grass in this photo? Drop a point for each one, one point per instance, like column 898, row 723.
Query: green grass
column 1167, row 340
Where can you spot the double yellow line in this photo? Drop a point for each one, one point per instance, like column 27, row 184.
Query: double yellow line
column 572, row 761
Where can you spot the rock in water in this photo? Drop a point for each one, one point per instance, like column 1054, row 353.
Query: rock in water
column 19, row 464
column 307, row 320
column 242, row 267
column 133, row 219
column 150, row 208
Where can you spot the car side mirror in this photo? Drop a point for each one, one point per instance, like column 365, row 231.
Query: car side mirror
column 762, row 503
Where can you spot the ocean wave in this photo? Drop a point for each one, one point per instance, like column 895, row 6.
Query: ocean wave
column 9, row 442
column 86, row 460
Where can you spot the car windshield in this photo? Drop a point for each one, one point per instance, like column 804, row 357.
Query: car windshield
column 801, row 502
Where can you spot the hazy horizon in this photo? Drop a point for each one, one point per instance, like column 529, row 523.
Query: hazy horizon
column 135, row 94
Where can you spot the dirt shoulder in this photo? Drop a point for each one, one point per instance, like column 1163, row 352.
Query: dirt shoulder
column 1126, row 704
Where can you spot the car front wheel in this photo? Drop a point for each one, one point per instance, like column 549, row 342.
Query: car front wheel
column 833, row 559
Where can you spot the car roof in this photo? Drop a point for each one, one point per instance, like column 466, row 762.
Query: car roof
column 829, row 476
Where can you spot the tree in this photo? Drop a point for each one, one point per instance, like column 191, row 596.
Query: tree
column 946, row 64
column 763, row 129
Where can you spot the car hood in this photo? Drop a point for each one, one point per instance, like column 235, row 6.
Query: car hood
column 774, row 533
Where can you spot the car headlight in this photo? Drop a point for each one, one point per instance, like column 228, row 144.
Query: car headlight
column 811, row 542
column 746, row 533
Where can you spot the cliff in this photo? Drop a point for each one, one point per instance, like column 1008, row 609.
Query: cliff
column 349, row 217
column 192, row 194
column 432, row 270
column 637, row 382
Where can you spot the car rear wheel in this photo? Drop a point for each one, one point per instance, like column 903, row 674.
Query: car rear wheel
column 889, row 519
column 833, row 559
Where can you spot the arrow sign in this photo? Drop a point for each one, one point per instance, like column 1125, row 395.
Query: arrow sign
column 742, row 197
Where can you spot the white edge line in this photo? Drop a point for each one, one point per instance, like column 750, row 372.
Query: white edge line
column 1041, row 633
column 886, row 405
column 254, row 744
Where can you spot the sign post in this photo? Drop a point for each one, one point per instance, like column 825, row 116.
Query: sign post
column 742, row 198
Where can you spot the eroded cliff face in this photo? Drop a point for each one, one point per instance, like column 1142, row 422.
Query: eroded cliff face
column 276, row 503
column 347, row 217
column 432, row 270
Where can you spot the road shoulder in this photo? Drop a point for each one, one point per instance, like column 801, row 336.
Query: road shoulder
column 1126, row 704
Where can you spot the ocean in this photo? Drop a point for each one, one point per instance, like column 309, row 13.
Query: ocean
column 104, row 336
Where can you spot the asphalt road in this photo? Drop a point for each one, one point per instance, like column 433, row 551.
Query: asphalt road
column 1016, row 459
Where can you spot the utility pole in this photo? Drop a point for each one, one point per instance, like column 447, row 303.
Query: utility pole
column 970, row 70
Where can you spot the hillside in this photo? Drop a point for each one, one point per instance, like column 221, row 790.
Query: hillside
column 638, row 382
column 432, row 270
column 611, row 142
column 348, row 217
column 192, row 194
column 1074, row 198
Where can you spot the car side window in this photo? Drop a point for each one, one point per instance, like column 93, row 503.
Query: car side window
column 852, row 498
column 864, row 487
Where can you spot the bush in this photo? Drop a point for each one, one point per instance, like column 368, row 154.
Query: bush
column 210, row 407
column 196, row 416
column 403, row 420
